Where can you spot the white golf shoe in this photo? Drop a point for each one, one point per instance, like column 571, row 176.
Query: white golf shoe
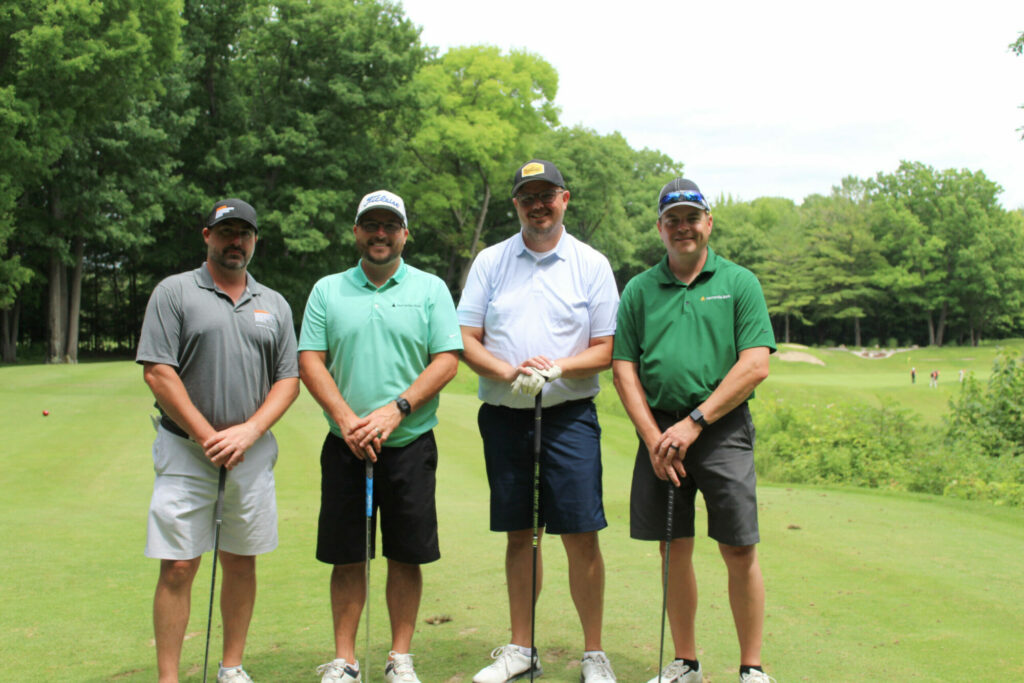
column 755, row 676
column 509, row 665
column 399, row 669
column 679, row 671
column 595, row 668
column 233, row 674
column 339, row 671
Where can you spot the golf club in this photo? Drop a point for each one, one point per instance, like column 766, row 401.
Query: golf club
column 218, row 516
column 664, row 577
column 369, row 536
column 537, row 411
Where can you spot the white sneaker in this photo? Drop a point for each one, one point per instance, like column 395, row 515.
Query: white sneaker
column 399, row 669
column 339, row 671
column 755, row 676
column 679, row 671
column 595, row 668
column 234, row 674
column 509, row 665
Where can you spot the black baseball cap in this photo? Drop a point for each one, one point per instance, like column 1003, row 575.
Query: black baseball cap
column 537, row 169
column 226, row 209
column 681, row 192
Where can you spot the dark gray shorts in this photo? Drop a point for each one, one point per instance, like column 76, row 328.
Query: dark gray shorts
column 720, row 464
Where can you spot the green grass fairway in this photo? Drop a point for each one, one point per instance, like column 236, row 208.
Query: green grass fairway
column 904, row 587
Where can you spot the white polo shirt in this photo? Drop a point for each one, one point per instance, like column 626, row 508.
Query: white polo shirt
column 551, row 306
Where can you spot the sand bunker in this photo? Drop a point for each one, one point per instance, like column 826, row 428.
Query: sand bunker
column 799, row 357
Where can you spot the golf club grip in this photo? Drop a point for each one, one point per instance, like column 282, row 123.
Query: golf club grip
column 218, row 512
column 369, row 488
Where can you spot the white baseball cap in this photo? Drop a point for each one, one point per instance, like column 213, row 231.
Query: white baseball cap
column 382, row 199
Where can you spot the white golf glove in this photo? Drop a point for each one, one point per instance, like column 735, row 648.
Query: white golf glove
column 531, row 384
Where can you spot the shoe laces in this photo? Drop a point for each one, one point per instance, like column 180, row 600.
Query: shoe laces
column 335, row 667
column 235, row 674
column 755, row 676
column 504, row 654
column 603, row 666
column 677, row 668
column 401, row 664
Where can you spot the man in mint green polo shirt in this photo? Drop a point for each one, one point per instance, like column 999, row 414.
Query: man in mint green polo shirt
column 692, row 342
column 378, row 342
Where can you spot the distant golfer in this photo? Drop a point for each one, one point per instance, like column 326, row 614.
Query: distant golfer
column 378, row 342
column 218, row 352
column 692, row 342
column 538, row 312
column 913, row 375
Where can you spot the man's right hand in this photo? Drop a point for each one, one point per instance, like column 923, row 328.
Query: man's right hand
column 352, row 433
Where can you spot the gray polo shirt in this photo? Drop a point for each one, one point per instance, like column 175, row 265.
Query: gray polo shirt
column 227, row 354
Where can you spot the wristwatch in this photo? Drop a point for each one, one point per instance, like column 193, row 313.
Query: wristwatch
column 698, row 417
column 403, row 406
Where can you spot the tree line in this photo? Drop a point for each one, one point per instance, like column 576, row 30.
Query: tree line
column 121, row 122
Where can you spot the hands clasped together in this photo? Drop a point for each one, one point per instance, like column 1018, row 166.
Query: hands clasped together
column 366, row 435
column 669, row 450
column 533, row 374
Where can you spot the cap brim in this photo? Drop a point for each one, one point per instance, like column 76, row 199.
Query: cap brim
column 693, row 204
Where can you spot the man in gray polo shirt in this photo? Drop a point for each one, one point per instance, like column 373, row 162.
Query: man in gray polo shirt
column 218, row 352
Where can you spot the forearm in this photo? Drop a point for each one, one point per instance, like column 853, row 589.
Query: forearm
column 321, row 386
column 435, row 376
column 281, row 395
column 750, row 369
column 631, row 393
column 482, row 361
column 592, row 360
column 171, row 394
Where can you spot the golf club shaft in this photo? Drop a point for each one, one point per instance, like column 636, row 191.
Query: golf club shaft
column 369, row 549
column 537, row 413
column 218, row 516
column 664, row 577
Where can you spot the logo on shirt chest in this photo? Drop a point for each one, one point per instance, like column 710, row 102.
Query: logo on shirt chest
column 716, row 297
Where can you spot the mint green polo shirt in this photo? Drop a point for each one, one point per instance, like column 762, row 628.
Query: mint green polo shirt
column 379, row 340
column 685, row 338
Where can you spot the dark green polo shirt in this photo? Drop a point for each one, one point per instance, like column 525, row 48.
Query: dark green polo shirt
column 686, row 338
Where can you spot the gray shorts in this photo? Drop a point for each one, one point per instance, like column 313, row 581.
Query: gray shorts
column 181, row 511
column 720, row 464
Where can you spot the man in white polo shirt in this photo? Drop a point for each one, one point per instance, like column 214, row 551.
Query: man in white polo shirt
column 538, row 314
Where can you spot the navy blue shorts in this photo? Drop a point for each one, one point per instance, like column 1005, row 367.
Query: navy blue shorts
column 570, row 467
column 720, row 464
column 404, row 479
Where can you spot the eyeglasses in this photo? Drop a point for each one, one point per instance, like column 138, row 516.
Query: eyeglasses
column 391, row 227
column 230, row 234
column 529, row 199
column 683, row 196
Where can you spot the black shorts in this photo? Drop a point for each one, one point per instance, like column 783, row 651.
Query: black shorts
column 720, row 463
column 403, row 492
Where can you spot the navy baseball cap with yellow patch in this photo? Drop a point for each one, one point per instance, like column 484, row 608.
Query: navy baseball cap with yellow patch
column 227, row 209
column 537, row 169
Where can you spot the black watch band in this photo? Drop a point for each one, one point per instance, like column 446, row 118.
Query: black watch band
column 403, row 406
column 698, row 417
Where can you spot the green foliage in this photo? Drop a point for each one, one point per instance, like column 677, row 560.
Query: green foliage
column 989, row 419
column 885, row 447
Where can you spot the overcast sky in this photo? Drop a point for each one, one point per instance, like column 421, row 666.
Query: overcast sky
column 775, row 99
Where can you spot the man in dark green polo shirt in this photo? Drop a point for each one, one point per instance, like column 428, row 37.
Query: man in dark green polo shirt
column 691, row 344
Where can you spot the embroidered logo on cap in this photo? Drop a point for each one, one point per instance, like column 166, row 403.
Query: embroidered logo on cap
column 222, row 210
column 532, row 169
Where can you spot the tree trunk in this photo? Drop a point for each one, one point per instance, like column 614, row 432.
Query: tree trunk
column 931, row 331
column 75, row 300
column 55, row 305
column 9, row 342
column 786, row 325
column 856, row 331
column 942, row 324
column 476, row 236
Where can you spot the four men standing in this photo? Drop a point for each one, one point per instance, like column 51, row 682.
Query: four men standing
column 379, row 341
